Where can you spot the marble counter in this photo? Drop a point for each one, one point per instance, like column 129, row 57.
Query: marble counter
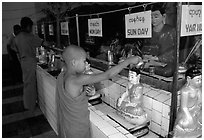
column 101, row 125
column 156, row 101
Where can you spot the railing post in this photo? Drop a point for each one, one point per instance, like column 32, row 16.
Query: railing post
column 173, row 108
column 77, row 24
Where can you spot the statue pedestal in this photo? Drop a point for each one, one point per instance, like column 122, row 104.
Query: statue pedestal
column 136, row 130
column 193, row 134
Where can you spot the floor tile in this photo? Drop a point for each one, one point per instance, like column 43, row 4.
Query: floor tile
column 117, row 135
column 12, row 99
column 150, row 135
column 130, row 136
column 122, row 130
column 35, row 126
column 109, row 130
column 11, row 108
column 12, row 93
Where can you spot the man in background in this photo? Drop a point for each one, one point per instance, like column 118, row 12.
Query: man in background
column 26, row 44
column 14, row 63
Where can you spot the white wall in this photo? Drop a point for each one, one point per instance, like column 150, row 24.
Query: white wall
column 12, row 12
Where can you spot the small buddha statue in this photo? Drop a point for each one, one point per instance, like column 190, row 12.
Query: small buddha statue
column 189, row 116
column 130, row 103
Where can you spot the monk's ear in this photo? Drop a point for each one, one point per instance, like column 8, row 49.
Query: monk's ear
column 73, row 62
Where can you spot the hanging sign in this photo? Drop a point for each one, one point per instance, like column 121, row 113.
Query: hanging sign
column 51, row 32
column 95, row 27
column 138, row 25
column 42, row 29
column 191, row 20
column 89, row 39
column 64, row 28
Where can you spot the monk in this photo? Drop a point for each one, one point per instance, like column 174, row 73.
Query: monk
column 14, row 63
column 189, row 117
column 73, row 113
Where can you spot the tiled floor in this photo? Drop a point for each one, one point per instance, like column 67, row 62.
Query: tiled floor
column 151, row 135
column 16, row 121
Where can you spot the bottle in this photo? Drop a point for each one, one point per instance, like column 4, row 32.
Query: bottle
column 181, row 72
column 110, row 57
column 52, row 63
column 37, row 54
column 43, row 56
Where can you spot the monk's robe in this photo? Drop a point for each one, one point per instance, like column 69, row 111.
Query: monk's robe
column 73, row 113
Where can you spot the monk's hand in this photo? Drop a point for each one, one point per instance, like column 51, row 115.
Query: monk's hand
column 119, row 101
column 150, row 57
column 121, row 60
column 186, row 121
column 135, row 60
column 88, row 90
column 87, row 66
column 64, row 68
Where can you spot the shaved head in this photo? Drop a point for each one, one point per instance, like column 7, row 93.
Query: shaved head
column 73, row 52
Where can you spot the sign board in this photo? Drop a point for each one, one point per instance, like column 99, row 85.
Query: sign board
column 51, row 30
column 191, row 20
column 95, row 27
column 42, row 29
column 89, row 39
column 138, row 25
column 64, row 28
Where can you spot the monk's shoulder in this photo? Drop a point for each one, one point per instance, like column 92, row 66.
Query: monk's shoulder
column 70, row 82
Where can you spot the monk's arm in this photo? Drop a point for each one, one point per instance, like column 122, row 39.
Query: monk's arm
column 86, row 79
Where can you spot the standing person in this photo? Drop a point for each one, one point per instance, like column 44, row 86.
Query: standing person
column 15, row 66
column 161, row 46
column 26, row 44
column 72, row 102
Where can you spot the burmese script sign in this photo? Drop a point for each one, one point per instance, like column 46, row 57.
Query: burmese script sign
column 51, row 32
column 191, row 20
column 95, row 27
column 138, row 25
column 64, row 28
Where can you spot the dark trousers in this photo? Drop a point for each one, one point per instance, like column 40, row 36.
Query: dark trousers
column 15, row 67
column 28, row 66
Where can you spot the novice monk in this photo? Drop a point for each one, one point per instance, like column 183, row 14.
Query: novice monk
column 73, row 113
